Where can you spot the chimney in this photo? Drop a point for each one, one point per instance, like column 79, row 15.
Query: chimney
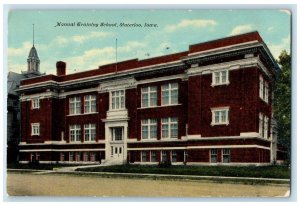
column 60, row 68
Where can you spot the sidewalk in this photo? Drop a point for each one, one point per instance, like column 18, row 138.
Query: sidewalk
column 71, row 170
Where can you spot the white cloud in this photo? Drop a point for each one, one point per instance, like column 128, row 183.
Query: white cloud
column 270, row 28
column 288, row 12
column 82, row 38
column 196, row 23
column 93, row 58
column 276, row 49
column 18, row 68
column 22, row 51
column 241, row 29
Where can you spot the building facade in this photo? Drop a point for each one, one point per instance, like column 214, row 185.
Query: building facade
column 13, row 103
column 209, row 105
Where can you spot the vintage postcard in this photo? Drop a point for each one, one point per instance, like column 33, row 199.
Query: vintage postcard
column 149, row 103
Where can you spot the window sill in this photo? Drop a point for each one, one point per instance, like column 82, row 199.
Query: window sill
column 169, row 105
column 216, row 124
column 70, row 115
column 220, row 84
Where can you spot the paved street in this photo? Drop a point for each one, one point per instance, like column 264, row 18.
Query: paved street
column 44, row 184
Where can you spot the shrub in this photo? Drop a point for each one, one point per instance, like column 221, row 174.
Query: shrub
column 165, row 164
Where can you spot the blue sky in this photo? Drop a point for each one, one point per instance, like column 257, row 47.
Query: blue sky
column 85, row 47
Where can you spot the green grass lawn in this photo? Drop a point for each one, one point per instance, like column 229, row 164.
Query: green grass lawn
column 37, row 167
column 229, row 171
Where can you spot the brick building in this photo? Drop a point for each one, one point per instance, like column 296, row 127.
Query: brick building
column 211, row 104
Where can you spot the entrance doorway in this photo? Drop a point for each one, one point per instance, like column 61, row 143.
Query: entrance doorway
column 117, row 151
column 117, row 143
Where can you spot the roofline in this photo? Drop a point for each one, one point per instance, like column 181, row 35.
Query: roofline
column 177, row 56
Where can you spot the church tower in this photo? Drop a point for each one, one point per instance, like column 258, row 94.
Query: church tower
column 33, row 59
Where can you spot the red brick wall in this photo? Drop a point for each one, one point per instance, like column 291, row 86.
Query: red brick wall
column 131, row 105
column 43, row 115
column 241, row 95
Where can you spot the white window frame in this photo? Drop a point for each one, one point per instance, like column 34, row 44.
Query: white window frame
column 263, row 89
column 148, row 124
column 77, row 133
column 166, row 155
column 223, row 153
column 169, row 88
column 219, row 74
column 90, row 105
column 74, row 105
column 266, row 127
column 261, row 125
column 142, row 153
column 266, row 97
column 35, row 129
column 169, row 121
column 35, row 103
column 211, row 153
column 148, row 91
column 90, row 132
column 117, row 100
column 153, row 152
column 174, row 153
column 217, row 111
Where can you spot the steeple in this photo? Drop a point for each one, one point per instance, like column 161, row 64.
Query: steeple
column 33, row 59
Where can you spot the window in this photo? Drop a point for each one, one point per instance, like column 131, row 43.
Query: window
column 89, row 103
column 92, row 156
column 118, row 99
column 163, row 156
column 75, row 133
column 35, row 103
column 174, row 156
column 169, row 94
column 266, row 97
column 85, row 156
column 35, row 129
column 74, row 105
column 226, row 155
column 62, row 156
column 263, row 89
column 117, row 134
column 149, row 97
column 169, row 127
column 266, row 127
column 71, row 156
column 153, row 156
column 149, row 129
column 263, row 126
column 213, row 155
column 220, row 78
column 144, row 156
column 220, row 116
column 89, row 132
column 78, row 156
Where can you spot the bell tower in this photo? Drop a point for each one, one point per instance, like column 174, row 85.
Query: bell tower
column 33, row 59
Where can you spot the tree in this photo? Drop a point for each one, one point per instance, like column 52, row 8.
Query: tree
column 282, row 102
